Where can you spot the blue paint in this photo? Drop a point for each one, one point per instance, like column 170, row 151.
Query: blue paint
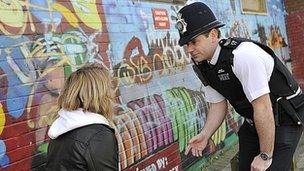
column 16, row 87
column 4, row 160
column 47, row 17
column 124, row 21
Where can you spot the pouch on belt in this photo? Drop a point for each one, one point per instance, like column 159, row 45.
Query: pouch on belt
column 290, row 107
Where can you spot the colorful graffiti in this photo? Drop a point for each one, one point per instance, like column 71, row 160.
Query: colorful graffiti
column 42, row 42
column 160, row 102
column 149, row 124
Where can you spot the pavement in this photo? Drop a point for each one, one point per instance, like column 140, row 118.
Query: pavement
column 222, row 162
column 299, row 156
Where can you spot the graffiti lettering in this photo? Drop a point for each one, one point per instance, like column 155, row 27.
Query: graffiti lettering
column 162, row 162
column 129, row 128
column 156, row 126
column 138, row 68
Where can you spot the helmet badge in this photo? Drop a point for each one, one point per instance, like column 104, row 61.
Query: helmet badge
column 181, row 25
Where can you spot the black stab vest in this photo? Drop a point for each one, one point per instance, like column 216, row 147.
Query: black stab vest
column 221, row 77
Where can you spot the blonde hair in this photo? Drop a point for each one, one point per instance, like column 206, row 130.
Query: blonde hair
column 88, row 88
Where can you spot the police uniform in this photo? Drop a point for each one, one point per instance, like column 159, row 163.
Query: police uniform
column 240, row 71
column 253, row 67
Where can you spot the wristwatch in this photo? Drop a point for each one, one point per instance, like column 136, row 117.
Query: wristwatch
column 264, row 156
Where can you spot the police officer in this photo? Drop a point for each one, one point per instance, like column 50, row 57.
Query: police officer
column 254, row 81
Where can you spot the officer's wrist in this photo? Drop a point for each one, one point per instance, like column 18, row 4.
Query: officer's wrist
column 265, row 156
column 204, row 134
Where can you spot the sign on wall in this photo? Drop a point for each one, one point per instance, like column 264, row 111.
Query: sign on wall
column 160, row 18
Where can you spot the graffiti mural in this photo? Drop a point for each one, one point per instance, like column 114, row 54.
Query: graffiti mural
column 160, row 102
column 42, row 42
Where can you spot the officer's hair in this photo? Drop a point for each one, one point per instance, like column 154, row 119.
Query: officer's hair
column 218, row 33
column 89, row 88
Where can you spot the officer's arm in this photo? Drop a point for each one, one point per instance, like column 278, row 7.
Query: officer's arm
column 264, row 123
column 215, row 117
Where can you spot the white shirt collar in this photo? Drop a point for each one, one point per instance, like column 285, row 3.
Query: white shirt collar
column 215, row 56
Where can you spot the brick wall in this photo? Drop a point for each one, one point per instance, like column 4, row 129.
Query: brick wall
column 295, row 30
column 160, row 101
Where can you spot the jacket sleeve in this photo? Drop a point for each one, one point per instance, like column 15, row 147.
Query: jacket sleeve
column 102, row 152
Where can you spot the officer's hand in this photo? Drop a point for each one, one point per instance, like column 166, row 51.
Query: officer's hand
column 259, row 164
column 197, row 144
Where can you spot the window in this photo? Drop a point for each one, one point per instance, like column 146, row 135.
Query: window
column 170, row 1
column 254, row 7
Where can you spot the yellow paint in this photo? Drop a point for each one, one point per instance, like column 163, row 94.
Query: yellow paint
column 12, row 14
column 68, row 15
column 220, row 134
column 87, row 12
column 2, row 118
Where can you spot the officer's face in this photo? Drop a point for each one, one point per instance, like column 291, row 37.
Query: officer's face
column 203, row 46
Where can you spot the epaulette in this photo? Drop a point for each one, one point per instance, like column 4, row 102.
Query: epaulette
column 231, row 43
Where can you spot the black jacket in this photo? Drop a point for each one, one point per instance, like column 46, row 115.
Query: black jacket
column 92, row 147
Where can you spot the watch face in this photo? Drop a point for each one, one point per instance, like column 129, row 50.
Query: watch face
column 264, row 156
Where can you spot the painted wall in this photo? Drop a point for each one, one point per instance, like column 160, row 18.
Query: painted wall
column 295, row 31
column 160, row 102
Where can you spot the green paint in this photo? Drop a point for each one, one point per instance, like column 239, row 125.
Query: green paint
column 67, row 70
column 43, row 147
column 170, row 112
column 199, row 164
column 180, row 121
column 232, row 139
column 181, row 109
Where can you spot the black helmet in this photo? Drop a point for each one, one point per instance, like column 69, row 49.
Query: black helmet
column 194, row 19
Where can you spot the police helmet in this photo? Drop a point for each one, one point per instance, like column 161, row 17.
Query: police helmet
column 194, row 19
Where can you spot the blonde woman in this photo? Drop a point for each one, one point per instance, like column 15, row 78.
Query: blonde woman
column 81, row 137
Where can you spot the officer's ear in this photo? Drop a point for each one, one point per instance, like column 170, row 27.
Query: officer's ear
column 214, row 35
